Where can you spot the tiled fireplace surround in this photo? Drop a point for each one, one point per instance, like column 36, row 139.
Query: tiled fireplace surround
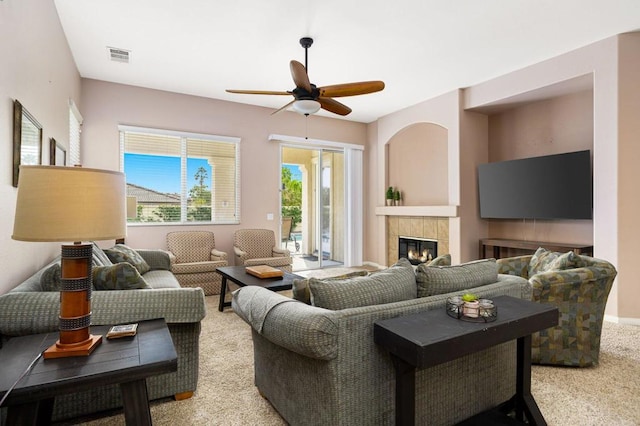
column 436, row 228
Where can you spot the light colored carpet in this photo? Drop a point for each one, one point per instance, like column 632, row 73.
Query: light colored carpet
column 605, row 395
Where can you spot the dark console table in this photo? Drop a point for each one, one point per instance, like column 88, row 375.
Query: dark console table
column 127, row 361
column 430, row 338
column 531, row 246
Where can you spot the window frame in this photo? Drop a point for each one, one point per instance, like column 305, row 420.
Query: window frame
column 184, row 136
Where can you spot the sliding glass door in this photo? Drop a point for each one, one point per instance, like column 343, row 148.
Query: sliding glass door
column 313, row 196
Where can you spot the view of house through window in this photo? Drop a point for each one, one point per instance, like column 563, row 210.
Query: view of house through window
column 180, row 177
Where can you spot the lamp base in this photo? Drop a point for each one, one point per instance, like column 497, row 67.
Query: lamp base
column 62, row 350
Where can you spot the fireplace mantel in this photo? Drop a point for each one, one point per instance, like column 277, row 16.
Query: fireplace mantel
column 424, row 211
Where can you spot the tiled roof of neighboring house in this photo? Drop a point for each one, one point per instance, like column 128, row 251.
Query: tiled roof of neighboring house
column 149, row 196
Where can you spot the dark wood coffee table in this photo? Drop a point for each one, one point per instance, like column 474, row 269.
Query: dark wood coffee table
column 238, row 275
column 433, row 337
column 127, row 361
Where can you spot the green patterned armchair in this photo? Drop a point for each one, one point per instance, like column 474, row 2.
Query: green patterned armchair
column 578, row 286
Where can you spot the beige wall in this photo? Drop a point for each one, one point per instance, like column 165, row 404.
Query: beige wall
column 415, row 164
column 553, row 126
column 612, row 65
column 106, row 105
column 37, row 69
column 628, row 231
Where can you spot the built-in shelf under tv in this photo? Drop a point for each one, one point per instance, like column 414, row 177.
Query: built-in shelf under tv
column 549, row 187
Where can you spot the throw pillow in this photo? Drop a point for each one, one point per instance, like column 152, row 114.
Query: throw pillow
column 394, row 284
column 433, row 280
column 541, row 260
column 121, row 276
column 442, row 260
column 50, row 278
column 301, row 286
column 121, row 253
column 100, row 258
column 568, row 260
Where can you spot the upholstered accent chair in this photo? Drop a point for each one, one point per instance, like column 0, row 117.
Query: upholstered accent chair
column 258, row 247
column 194, row 260
column 579, row 287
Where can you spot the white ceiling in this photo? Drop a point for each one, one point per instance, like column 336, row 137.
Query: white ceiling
column 419, row 48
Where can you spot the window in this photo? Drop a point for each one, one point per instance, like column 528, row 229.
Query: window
column 180, row 177
column 75, row 123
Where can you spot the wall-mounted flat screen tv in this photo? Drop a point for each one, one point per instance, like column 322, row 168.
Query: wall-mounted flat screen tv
column 549, row 187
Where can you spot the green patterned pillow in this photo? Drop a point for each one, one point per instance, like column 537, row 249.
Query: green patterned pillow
column 568, row 260
column 541, row 260
column 390, row 285
column 121, row 253
column 433, row 280
column 442, row 260
column 301, row 286
column 121, row 276
column 50, row 278
column 100, row 258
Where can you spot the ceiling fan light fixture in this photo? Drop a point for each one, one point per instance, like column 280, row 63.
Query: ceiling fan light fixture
column 306, row 106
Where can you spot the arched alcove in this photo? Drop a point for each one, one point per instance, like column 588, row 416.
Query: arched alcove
column 417, row 164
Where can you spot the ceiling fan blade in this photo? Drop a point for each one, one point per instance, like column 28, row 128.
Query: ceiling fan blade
column 257, row 92
column 351, row 89
column 299, row 74
column 283, row 108
column 333, row 106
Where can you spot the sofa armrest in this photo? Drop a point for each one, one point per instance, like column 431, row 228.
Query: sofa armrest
column 218, row 255
column 157, row 259
column 37, row 311
column 172, row 258
column 280, row 252
column 241, row 255
column 518, row 265
column 296, row 326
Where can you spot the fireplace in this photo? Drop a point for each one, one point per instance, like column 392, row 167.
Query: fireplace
column 417, row 250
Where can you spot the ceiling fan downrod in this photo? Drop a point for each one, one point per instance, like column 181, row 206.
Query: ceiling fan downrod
column 306, row 42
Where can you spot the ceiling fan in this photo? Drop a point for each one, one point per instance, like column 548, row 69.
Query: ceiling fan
column 308, row 98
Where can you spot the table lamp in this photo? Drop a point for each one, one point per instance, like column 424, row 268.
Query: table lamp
column 71, row 204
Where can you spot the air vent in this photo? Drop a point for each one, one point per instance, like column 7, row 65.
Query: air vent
column 119, row 55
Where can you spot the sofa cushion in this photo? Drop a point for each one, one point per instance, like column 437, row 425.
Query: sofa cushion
column 301, row 286
column 433, row 280
column 394, row 284
column 121, row 276
column 50, row 278
column 121, row 253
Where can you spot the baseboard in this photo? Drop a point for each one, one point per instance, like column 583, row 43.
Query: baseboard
column 618, row 320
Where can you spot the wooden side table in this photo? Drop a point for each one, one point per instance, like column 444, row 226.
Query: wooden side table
column 432, row 337
column 125, row 361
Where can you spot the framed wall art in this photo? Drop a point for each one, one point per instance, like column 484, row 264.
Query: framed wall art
column 57, row 153
column 27, row 140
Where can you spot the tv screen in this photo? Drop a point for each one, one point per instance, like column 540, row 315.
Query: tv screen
column 549, row 187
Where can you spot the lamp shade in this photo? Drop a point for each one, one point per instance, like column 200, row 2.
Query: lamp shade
column 306, row 106
column 69, row 204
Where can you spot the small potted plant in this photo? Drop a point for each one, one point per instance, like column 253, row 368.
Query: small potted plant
column 471, row 306
column 397, row 197
column 389, row 196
